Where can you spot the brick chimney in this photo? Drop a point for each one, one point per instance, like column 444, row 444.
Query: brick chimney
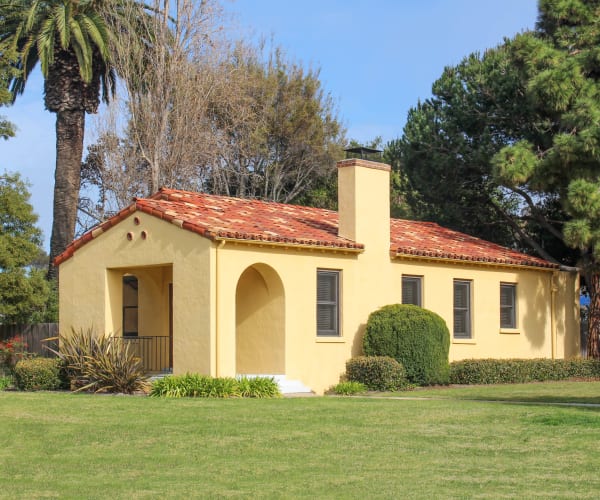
column 364, row 203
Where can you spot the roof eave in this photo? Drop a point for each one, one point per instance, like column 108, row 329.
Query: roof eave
column 486, row 263
column 290, row 244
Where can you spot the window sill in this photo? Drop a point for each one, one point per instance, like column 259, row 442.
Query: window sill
column 330, row 340
column 510, row 331
column 463, row 341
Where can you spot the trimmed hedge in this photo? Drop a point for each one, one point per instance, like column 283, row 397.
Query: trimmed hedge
column 377, row 373
column 515, row 371
column 417, row 338
column 39, row 374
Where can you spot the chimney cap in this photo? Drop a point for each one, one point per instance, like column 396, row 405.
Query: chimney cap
column 363, row 151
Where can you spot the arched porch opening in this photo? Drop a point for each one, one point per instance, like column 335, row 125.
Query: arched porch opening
column 260, row 322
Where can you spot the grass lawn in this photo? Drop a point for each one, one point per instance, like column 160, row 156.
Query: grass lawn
column 82, row 446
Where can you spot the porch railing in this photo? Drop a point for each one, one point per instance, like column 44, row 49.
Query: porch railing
column 153, row 351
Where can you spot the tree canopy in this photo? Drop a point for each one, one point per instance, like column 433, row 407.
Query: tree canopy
column 508, row 147
column 71, row 42
column 24, row 292
column 7, row 71
column 236, row 119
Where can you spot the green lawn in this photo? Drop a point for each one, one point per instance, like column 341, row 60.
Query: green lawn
column 82, row 446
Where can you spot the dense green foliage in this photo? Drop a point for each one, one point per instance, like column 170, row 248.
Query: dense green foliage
column 204, row 386
column 516, row 371
column 100, row 363
column 377, row 373
column 6, row 381
column 508, row 147
column 416, row 337
column 7, row 71
column 24, row 291
column 39, row 374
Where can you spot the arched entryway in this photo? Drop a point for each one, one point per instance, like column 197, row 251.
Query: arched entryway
column 260, row 322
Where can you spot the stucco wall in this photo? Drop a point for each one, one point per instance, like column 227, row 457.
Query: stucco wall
column 368, row 283
column 212, row 292
column 91, row 286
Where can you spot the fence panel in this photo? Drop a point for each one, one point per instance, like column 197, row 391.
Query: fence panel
column 33, row 335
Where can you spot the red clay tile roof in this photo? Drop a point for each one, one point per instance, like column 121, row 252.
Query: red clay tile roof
column 221, row 217
column 427, row 239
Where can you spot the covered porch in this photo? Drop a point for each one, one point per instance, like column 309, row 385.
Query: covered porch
column 140, row 313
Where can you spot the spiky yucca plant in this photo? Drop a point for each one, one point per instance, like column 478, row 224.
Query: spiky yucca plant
column 100, row 363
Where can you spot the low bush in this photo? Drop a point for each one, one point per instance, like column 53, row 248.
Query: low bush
column 349, row 388
column 5, row 382
column 12, row 350
column 38, row 374
column 101, row 363
column 513, row 371
column 416, row 337
column 203, row 386
column 377, row 373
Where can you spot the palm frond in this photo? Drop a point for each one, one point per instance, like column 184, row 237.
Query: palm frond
column 32, row 16
column 83, row 50
column 96, row 30
column 45, row 45
column 62, row 19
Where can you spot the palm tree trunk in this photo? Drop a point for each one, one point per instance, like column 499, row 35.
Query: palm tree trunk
column 69, row 149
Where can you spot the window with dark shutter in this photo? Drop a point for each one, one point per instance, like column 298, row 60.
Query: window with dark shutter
column 462, row 309
column 328, row 284
column 411, row 290
column 508, row 295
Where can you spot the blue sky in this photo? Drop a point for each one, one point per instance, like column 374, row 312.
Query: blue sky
column 377, row 59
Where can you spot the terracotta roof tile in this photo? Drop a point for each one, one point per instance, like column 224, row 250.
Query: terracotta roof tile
column 220, row 217
column 427, row 239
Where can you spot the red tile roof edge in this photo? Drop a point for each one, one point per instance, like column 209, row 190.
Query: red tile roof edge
column 417, row 254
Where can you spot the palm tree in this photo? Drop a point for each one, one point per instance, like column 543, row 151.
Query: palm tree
column 71, row 41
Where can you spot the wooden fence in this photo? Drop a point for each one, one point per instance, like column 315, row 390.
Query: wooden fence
column 33, row 335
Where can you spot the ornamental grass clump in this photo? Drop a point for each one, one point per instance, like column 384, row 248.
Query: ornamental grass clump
column 349, row 388
column 417, row 338
column 101, row 363
column 203, row 386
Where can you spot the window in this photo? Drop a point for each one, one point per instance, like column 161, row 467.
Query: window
column 411, row 290
column 328, row 310
column 508, row 295
column 130, row 306
column 462, row 309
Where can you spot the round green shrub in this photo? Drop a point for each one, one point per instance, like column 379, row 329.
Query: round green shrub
column 38, row 374
column 416, row 337
column 377, row 373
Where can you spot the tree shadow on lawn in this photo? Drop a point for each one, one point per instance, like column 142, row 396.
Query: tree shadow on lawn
column 551, row 393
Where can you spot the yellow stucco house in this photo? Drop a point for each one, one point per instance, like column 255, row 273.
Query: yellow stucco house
column 224, row 286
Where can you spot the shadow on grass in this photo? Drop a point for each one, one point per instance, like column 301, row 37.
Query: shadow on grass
column 550, row 393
